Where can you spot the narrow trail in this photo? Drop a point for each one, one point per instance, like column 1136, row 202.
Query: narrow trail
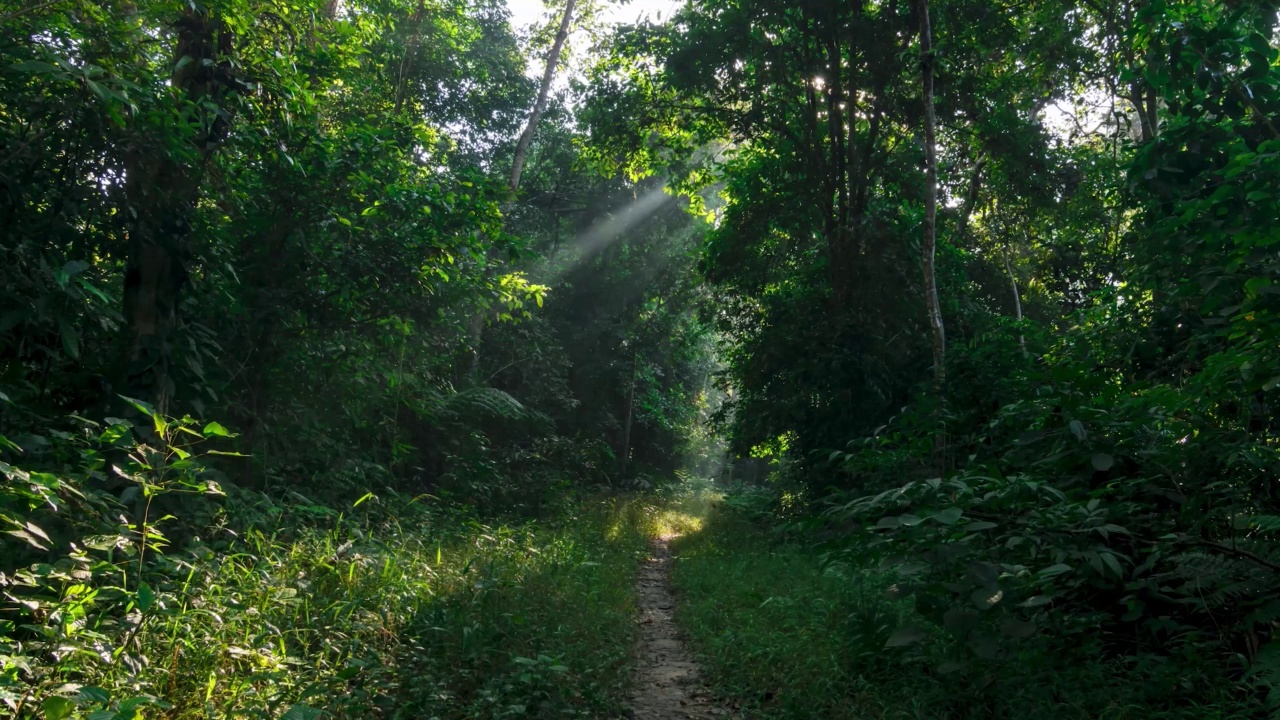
column 667, row 679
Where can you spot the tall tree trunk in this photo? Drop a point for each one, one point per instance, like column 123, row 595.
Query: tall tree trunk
column 548, row 75
column 936, row 330
column 1017, row 299
column 625, row 455
column 162, row 189
column 410, row 52
column 154, row 274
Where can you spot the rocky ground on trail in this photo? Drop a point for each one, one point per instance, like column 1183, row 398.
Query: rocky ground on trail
column 668, row 683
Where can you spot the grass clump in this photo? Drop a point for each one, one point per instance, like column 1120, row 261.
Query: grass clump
column 779, row 633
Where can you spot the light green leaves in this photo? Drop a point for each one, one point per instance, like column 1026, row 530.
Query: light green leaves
column 56, row 707
column 217, row 430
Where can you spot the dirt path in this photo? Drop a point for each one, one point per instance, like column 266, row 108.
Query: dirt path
column 667, row 680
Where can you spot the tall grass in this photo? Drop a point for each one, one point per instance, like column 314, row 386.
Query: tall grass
column 401, row 612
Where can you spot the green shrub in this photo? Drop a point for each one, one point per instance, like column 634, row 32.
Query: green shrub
column 793, row 630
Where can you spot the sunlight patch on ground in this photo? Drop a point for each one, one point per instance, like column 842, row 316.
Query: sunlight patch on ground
column 685, row 515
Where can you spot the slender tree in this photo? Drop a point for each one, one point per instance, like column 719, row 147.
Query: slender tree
column 548, row 76
column 929, row 247
column 625, row 455
column 937, row 332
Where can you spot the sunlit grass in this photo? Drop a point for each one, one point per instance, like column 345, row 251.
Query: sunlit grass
column 398, row 613
column 684, row 515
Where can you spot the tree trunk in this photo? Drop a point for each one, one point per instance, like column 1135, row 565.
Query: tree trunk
column 624, row 456
column 162, row 189
column 154, row 274
column 1017, row 300
column 936, row 330
column 410, row 51
column 548, row 75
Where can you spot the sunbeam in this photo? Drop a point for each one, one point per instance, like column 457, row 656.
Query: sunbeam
column 607, row 230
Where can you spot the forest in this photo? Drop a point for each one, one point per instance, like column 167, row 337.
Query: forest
column 758, row 359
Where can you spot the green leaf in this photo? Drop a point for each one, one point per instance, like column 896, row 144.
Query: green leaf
column 1109, row 559
column 949, row 516
column 70, row 340
column 94, row 695
column 217, row 430
column 302, row 712
column 1017, row 629
column 31, row 534
column 959, row 622
column 984, row 647
column 904, row 636
column 56, row 707
column 146, row 597
column 35, row 66
column 1077, row 429
column 984, row 574
column 1055, row 570
column 140, row 406
column 1102, row 462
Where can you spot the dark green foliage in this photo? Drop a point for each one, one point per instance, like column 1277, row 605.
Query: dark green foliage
column 292, row 216
column 790, row 632
column 1098, row 472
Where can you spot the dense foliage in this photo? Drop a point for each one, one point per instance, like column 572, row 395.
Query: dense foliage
column 291, row 219
column 304, row 302
column 1095, row 481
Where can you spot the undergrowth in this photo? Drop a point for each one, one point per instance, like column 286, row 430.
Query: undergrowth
column 787, row 632
column 398, row 607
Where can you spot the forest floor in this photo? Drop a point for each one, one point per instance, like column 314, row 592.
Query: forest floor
column 668, row 680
